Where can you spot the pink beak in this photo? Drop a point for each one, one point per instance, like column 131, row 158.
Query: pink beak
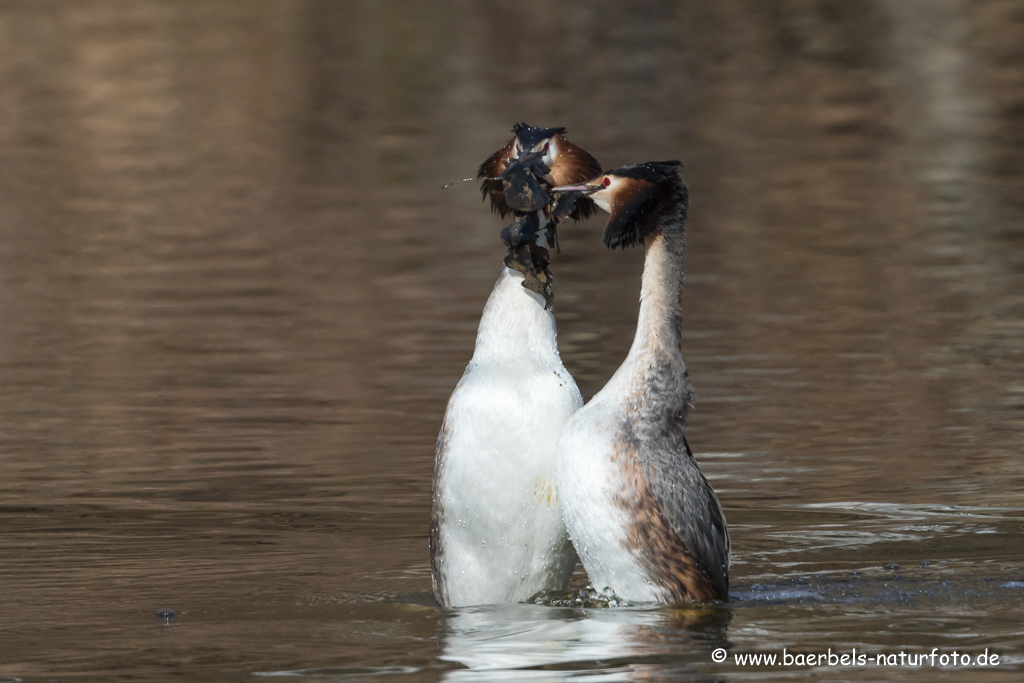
column 583, row 188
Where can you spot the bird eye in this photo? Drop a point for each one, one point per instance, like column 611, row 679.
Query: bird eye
column 607, row 182
column 546, row 145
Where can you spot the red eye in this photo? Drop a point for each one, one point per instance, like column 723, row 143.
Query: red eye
column 607, row 182
column 546, row 145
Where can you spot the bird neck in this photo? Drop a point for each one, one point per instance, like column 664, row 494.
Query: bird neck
column 659, row 325
column 515, row 326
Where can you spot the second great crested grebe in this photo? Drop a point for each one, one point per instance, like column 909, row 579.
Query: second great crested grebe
column 647, row 525
column 496, row 532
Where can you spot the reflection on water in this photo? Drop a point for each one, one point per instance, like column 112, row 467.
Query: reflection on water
column 535, row 642
column 234, row 300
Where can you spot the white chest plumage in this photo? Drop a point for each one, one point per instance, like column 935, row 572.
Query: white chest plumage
column 621, row 449
column 497, row 531
column 589, row 478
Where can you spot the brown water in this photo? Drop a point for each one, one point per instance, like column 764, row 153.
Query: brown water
column 234, row 300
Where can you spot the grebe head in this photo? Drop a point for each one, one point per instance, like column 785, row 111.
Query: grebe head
column 547, row 154
column 537, row 143
column 639, row 198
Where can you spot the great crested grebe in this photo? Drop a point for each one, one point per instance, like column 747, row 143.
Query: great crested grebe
column 496, row 532
column 645, row 522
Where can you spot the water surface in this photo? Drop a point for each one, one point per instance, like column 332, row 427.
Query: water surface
column 234, row 300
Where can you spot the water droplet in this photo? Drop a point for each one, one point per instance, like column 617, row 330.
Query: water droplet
column 165, row 614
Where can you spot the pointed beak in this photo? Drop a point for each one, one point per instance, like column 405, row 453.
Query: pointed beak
column 530, row 161
column 582, row 188
column 527, row 157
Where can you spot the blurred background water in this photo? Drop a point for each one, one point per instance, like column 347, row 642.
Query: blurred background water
column 234, row 300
